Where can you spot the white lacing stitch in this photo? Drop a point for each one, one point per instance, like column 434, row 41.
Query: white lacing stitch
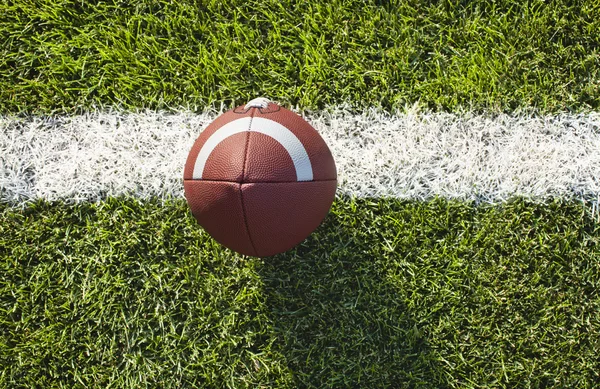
column 259, row 102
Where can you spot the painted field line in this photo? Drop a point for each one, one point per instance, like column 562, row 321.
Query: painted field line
column 413, row 155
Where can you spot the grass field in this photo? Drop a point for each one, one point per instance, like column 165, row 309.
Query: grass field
column 128, row 291
column 67, row 56
column 385, row 294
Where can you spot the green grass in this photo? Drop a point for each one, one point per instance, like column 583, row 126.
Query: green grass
column 69, row 56
column 386, row 293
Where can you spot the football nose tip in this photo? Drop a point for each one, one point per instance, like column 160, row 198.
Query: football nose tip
column 259, row 102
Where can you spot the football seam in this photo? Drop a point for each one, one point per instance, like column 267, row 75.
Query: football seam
column 240, row 184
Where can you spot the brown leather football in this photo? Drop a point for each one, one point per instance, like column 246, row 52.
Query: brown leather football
column 259, row 179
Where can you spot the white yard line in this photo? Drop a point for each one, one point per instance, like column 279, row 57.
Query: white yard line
column 412, row 155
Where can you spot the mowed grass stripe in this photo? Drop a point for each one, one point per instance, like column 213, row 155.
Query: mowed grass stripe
column 410, row 155
column 386, row 293
column 69, row 56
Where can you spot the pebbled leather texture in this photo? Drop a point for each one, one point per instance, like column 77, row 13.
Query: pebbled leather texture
column 249, row 199
column 267, row 160
column 219, row 122
column 217, row 206
column 281, row 215
column 226, row 162
column 320, row 156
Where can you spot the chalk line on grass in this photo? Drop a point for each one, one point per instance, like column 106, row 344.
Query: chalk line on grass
column 412, row 155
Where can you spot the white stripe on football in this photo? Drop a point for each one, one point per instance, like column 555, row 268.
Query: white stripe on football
column 281, row 134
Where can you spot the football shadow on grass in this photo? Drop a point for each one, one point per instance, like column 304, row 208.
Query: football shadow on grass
column 337, row 319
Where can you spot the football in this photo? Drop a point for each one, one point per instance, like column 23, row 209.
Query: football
column 260, row 179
